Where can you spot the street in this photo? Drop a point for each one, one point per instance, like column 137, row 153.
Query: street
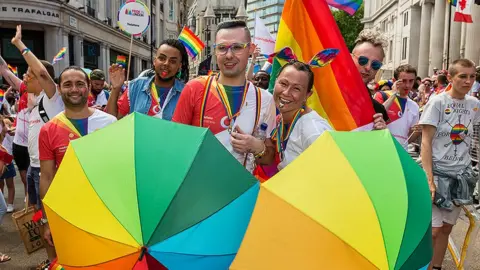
column 11, row 244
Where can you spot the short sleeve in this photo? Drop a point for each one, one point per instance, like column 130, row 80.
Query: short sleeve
column 184, row 110
column 44, row 146
column 313, row 130
column 123, row 103
column 431, row 113
column 270, row 117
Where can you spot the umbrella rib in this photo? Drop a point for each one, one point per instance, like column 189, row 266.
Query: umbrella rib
column 178, row 189
column 306, row 215
column 199, row 255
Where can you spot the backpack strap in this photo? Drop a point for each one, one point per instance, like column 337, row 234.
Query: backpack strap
column 42, row 112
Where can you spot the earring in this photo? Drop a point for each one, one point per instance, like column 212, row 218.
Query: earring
column 179, row 74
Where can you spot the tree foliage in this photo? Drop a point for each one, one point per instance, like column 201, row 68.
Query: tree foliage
column 350, row 26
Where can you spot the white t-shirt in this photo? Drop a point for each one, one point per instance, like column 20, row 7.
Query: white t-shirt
column 307, row 129
column 53, row 106
column 8, row 143
column 454, row 120
column 27, row 100
column 246, row 121
column 101, row 99
column 401, row 127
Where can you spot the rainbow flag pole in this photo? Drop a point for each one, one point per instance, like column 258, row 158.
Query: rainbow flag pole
column 192, row 43
column 339, row 95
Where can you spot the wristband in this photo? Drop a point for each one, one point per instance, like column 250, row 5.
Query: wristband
column 25, row 51
column 261, row 154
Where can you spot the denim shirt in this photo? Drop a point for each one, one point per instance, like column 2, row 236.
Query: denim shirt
column 141, row 98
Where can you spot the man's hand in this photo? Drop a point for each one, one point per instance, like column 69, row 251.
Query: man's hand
column 117, row 76
column 18, row 36
column 47, row 235
column 433, row 188
column 378, row 122
column 245, row 143
column 256, row 52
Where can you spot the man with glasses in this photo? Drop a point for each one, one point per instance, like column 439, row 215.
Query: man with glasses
column 227, row 103
column 368, row 55
column 157, row 93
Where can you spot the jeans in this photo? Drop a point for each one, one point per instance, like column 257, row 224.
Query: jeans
column 3, row 207
column 33, row 182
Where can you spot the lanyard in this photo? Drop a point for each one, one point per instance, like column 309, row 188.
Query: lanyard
column 281, row 138
column 153, row 90
column 208, row 86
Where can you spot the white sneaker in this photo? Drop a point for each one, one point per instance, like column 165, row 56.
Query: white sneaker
column 10, row 208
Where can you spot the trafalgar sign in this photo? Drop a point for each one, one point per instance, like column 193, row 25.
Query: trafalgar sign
column 19, row 12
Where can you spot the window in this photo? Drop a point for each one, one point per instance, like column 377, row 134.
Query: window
column 404, row 48
column 108, row 12
column 390, row 51
column 161, row 6
column 144, row 65
column 405, row 18
column 154, row 31
column 71, row 51
column 91, row 52
column 171, row 10
column 90, row 8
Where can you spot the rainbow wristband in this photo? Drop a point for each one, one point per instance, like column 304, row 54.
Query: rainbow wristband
column 25, row 51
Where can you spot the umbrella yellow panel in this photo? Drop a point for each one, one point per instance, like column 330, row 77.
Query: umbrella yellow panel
column 339, row 202
column 282, row 237
column 72, row 197
column 91, row 250
column 126, row 262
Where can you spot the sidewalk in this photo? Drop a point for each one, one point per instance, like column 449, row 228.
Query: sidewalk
column 10, row 242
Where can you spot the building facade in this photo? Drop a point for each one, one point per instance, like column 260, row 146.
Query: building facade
column 270, row 11
column 417, row 33
column 203, row 18
column 88, row 28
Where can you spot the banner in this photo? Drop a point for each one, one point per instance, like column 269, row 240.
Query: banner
column 263, row 38
column 463, row 11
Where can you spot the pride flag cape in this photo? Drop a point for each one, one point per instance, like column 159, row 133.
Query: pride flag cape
column 349, row 6
column 339, row 95
column 192, row 43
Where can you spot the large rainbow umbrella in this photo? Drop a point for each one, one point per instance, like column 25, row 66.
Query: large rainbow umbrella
column 352, row 200
column 144, row 193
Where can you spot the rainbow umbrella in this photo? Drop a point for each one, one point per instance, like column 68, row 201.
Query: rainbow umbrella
column 352, row 200
column 145, row 193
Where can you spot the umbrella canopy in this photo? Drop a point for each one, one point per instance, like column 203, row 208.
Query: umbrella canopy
column 352, row 200
column 144, row 193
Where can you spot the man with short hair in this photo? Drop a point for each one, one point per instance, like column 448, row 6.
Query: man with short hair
column 98, row 97
column 228, row 104
column 447, row 128
column 76, row 121
column 368, row 56
column 261, row 79
column 403, row 113
column 476, row 85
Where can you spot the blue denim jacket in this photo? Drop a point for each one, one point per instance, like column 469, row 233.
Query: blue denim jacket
column 141, row 98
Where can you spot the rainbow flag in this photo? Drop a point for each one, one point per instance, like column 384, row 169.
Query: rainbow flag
column 121, row 60
column 452, row 2
column 339, row 95
column 14, row 70
column 349, row 6
column 54, row 265
column 2, row 95
column 191, row 42
column 60, row 55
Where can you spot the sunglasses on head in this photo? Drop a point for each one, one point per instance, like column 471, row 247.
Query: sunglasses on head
column 363, row 61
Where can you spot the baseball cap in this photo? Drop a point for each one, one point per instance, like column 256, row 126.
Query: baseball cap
column 97, row 74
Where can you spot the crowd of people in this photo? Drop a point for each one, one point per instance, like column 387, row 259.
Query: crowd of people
column 43, row 113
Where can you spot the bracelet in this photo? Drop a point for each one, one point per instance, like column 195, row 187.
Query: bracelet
column 25, row 51
column 261, row 154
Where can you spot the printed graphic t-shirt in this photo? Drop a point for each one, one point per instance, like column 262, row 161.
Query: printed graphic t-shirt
column 454, row 120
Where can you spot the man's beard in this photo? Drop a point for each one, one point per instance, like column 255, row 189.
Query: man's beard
column 69, row 104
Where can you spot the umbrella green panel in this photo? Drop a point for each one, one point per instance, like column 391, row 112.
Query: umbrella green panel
column 164, row 154
column 389, row 181
column 416, row 249
column 108, row 160
column 213, row 180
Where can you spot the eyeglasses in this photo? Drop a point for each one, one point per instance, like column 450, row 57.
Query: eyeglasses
column 236, row 48
column 363, row 61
